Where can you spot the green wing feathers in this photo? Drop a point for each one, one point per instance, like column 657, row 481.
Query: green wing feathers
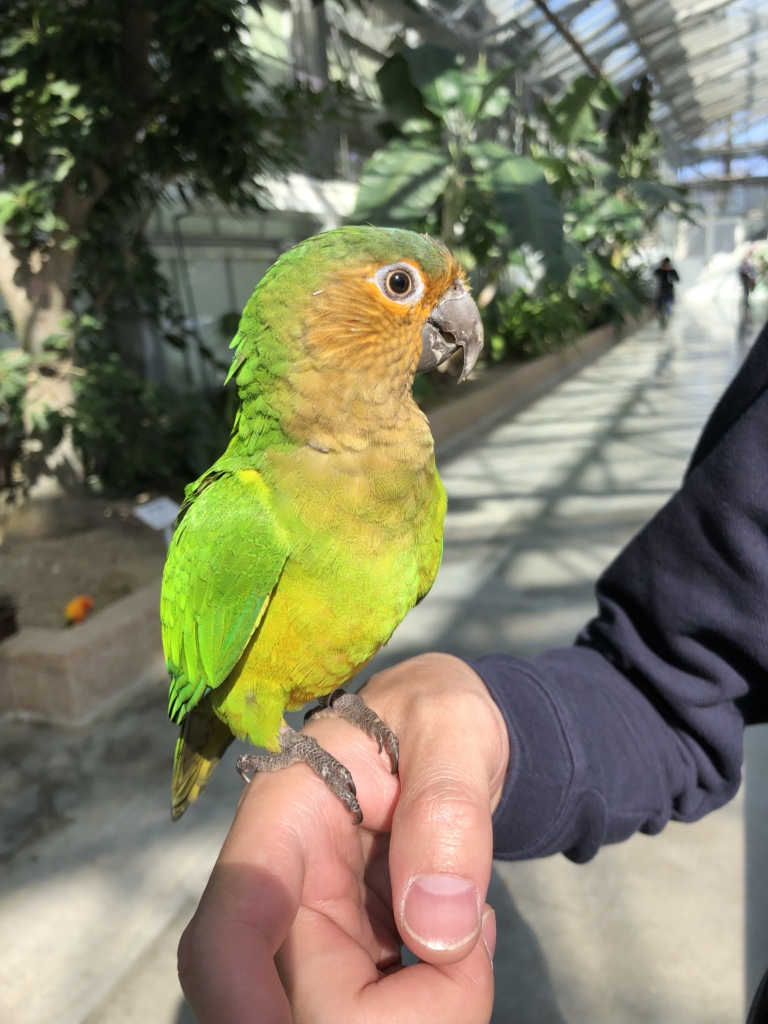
column 224, row 561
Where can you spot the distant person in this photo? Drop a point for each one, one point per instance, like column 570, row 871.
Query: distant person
column 748, row 277
column 666, row 276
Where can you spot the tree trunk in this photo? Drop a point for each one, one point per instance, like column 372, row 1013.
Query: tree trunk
column 35, row 282
column 14, row 294
column 36, row 295
column 35, row 287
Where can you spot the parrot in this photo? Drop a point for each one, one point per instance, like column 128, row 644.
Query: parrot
column 297, row 554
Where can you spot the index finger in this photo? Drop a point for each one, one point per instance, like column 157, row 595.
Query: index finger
column 290, row 834
column 226, row 954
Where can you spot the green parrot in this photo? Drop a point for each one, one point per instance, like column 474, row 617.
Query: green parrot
column 300, row 550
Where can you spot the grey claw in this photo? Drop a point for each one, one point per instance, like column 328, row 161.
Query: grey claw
column 296, row 747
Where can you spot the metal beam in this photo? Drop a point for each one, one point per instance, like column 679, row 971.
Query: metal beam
column 568, row 37
column 721, row 183
column 725, row 152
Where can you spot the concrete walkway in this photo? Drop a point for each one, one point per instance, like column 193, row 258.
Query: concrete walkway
column 97, row 884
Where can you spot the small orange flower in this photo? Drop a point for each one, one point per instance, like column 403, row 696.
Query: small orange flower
column 77, row 609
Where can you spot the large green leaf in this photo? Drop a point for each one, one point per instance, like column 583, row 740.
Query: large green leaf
column 575, row 114
column 656, row 194
column 401, row 182
column 471, row 85
column 428, row 62
column 495, row 98
column 401, row 97
column 560, row 265
column 434, row 72
column 522, row 196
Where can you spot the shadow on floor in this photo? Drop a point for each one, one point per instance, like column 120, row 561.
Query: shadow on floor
column 756, row 845
column 524, row 992
column 185, row 1015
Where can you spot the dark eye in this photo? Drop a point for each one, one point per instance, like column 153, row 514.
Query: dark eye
column 399, row 282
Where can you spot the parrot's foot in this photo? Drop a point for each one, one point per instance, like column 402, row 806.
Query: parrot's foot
column 352, row 708
column 296, row 747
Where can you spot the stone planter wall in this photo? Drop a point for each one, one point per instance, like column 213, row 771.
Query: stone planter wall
column 71, row 675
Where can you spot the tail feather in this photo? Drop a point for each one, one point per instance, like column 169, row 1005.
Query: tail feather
column 199, row 748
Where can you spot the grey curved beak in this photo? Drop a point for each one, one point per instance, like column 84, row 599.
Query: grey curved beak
column 453, row 324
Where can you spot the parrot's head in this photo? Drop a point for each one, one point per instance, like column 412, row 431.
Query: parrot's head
column 374, row 300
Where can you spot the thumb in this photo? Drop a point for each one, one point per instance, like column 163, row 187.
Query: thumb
column 453, row 755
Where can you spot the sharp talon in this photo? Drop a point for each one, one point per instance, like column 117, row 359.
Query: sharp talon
column 310, row 714
column 296, row 747
column 393, row 750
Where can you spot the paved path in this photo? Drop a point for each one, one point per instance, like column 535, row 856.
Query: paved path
column 97, row 884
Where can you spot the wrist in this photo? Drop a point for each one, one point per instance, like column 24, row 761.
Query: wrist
column 441, row 692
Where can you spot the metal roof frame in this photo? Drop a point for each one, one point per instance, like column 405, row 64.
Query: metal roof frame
column 708, row 59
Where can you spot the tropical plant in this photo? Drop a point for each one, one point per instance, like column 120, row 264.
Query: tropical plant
column 551, row 235
column 136, row 434
column 14, row 365
column 447, row 166
column 105, row 108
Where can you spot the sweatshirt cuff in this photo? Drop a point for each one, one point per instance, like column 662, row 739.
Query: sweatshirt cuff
column 542, row 763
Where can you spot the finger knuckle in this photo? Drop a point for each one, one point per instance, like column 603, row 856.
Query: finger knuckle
column 446, row 807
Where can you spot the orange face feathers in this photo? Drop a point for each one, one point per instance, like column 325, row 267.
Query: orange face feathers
column 332, row 337
column 370, row 316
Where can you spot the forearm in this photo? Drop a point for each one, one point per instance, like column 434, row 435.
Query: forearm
column 591, row 759
column 643, row 719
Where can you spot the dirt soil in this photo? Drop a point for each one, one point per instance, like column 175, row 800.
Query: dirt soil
column 107, row 563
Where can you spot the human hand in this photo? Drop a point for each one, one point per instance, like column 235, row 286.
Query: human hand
column 302, row 917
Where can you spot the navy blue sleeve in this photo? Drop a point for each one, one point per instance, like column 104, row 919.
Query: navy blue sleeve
column 642, row 719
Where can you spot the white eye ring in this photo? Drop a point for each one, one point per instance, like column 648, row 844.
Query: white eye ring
column 384, row 281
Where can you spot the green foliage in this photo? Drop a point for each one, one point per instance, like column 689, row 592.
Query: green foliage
column 135, row 434
column 529, row 324
column 14, row 365
column 103, row 108
column 142, row 94
column 523, row 199
column 106, row 110
column 574, row 119
column 402, row 182
column 568, row 212
column 13, row 376
column 444, row 162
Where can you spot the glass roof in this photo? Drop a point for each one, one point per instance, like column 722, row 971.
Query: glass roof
column 707, row 58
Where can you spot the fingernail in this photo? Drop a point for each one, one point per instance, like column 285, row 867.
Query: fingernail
column 488, row 931
column 441, row 911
